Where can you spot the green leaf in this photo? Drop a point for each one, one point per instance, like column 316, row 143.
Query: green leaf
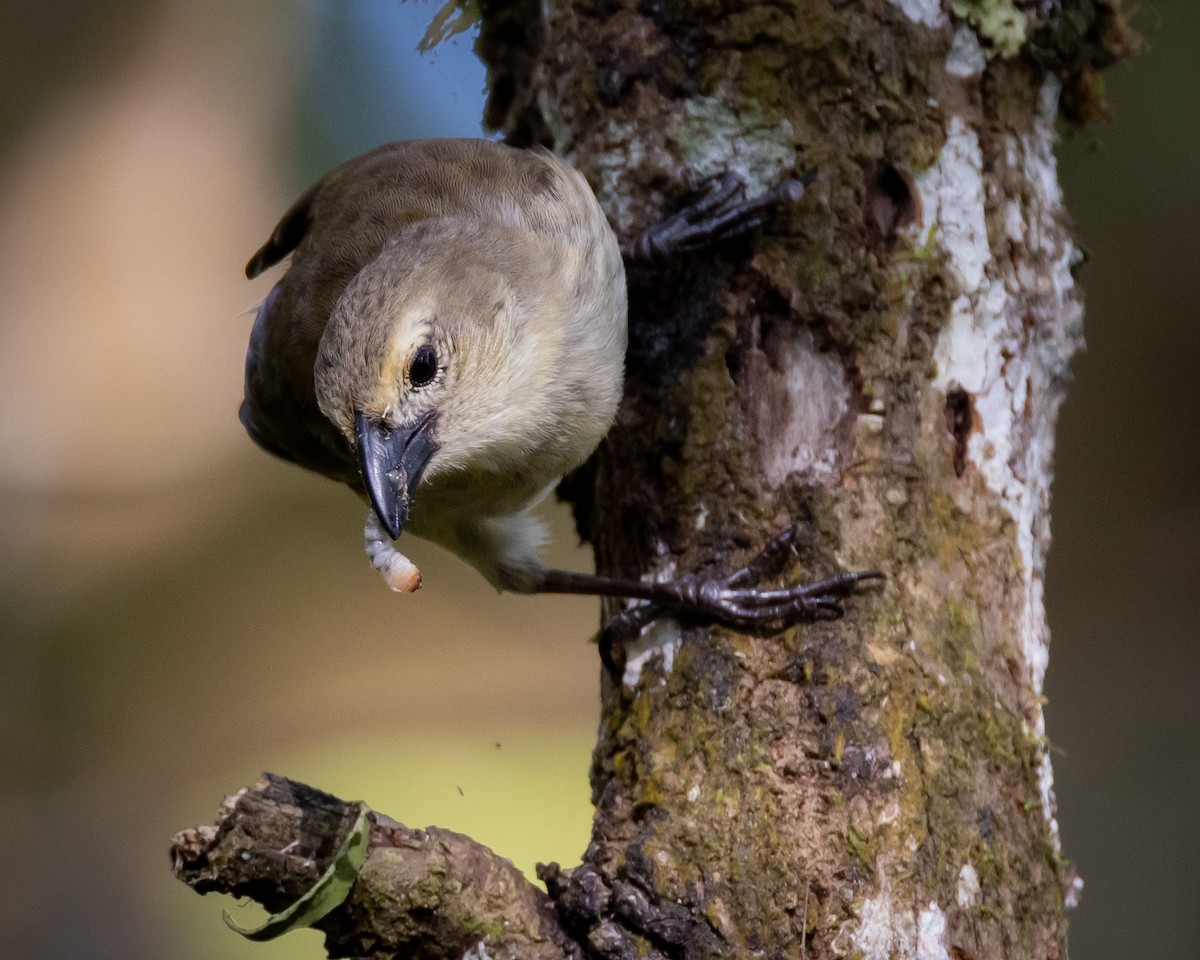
column 329, row 892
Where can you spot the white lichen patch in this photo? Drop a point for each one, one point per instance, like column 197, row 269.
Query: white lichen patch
column 968, row 886
column 798, row 397
column 1046, row 788
column 1008, row 343
column 1014, row 228
column 1074, row 892
column 966, row 58
column 883, row 928
column 952, row 197
column 886, row 926
column 890, row 812
column 971, row 355
column 660, row 640
column 931, row 934
column 714, row 139
column 930, row 13
column 1057, row 313
column 629, row 152
column 706, row 139
column 477, row 952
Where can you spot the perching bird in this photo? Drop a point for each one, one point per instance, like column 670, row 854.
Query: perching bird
column 449, row 340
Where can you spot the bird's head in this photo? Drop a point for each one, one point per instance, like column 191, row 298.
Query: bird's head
column 429, row 359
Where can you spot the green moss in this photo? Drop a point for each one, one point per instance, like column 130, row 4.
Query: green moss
column 839, row 747
column 861, row 848
column 622, row 766
column 488, row 929
column 814, row 271
column 927, row 251
column 998, row 740
column 959, row 617
column 647, row 793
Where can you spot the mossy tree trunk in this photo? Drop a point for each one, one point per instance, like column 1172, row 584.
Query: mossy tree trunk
column 884, row 365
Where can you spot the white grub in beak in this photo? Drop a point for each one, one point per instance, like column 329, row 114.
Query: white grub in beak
column 398, row 572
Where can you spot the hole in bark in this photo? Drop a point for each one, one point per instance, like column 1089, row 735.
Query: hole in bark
column 960, row 417
column 985, row 819
column 891, row 204
column 735, row 356
column 614, row 76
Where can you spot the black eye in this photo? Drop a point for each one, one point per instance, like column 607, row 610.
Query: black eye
column 424, row 366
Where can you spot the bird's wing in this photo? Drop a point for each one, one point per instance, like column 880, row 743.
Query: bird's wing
column 287, row 234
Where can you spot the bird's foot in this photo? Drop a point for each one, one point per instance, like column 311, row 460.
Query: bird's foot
column 729, row 603
column 740, row 602
column 737, row 601
column 717, row 216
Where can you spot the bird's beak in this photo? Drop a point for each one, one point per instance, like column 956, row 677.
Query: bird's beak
column 392, row 461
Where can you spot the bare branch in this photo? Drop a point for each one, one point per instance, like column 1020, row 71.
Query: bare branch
column 422, row 893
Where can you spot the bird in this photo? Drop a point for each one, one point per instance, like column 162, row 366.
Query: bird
column 449, row 341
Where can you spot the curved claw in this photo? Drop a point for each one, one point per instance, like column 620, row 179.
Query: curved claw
column 770, row 561
column 736, row 601
column 794, row 609
column 714, row 218
column 715, row 199
column 843, row 583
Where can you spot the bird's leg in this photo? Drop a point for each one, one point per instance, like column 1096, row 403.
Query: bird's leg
column 715, row 217
column 733, row 601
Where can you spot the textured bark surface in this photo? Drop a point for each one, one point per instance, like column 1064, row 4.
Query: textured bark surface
column 885, row 365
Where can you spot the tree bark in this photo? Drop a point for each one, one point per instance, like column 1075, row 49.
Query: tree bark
column 883, row 364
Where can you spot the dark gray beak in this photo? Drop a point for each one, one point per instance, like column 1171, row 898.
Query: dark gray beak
column 392, row 461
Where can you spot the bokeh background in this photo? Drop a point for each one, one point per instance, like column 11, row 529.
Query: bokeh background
column 179, row 611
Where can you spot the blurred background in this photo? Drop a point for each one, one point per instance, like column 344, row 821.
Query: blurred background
column 179, row 611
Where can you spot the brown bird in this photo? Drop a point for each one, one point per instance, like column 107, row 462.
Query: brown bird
column 449, row 341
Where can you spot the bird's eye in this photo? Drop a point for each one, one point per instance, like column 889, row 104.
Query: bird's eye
column 423, row 367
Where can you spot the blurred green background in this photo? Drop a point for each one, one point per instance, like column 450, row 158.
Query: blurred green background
column 179, row 611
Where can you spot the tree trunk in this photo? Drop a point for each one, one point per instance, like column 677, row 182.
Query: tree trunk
column 884, row 365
